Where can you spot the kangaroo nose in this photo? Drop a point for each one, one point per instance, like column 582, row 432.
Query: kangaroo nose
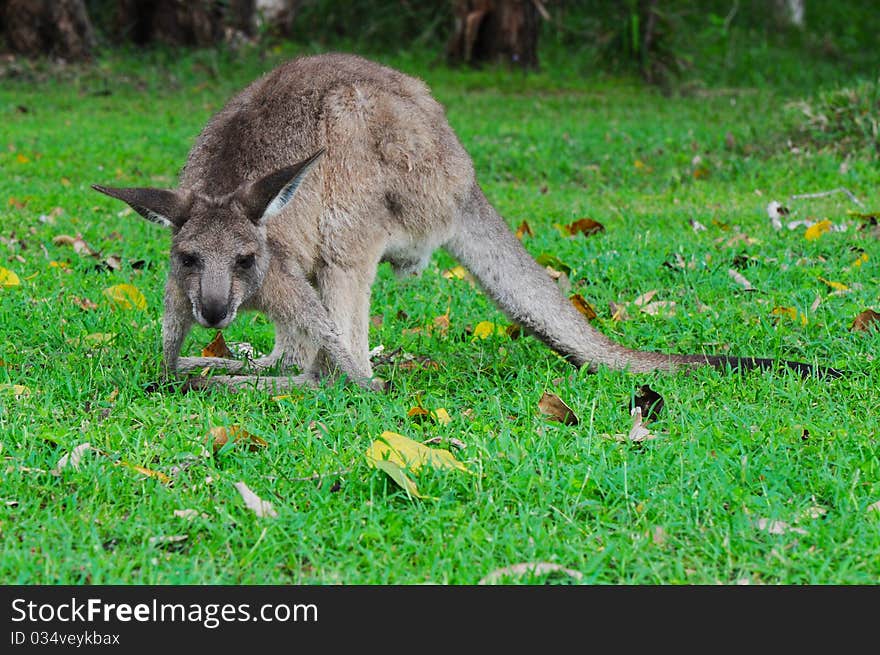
column 214, row 313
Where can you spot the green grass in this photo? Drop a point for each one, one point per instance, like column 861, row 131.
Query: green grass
column 550, row 148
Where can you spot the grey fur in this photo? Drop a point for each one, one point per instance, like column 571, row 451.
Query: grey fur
column 393, row 184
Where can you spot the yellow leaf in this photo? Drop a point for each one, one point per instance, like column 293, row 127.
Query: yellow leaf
column 442, row 416
column 398, row 474
column 817, row 230
column 410, row 454
column 17, row 390
column 583, row 306
column 457, row 272
column 161, row 477
column 861, row 259
column 126, row 296
column 838, row 286
column 22, row 159
column 8, row 278
column 219, row 436
column 62, row 265
column 485, row 329
column 791, row 312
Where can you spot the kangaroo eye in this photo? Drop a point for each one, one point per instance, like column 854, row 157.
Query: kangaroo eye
column 188, row 260
column 246, row 261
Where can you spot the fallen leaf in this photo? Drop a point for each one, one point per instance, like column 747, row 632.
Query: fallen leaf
column 410, row 454
column 188, row 514
column 583, row 306
column 8, row 278
column 398, row 474
column 649, row 402
column 546, row 259
column 217, row 347
column 865, row 321
column 618, row 311
column 71, row 459
column 219, row 436
column 485, row 329
column 658, row 536
column 817, row 230
column 777, row 527
column 861, row 259
column 660, row 307
column 442, row 416
column 874, row 507
column 455, row 443
column 530, row 569
column 84, row 303
column 638, row 432
column 161, row 477
column 441, row 323
column 776, row 211
column 458, row 273
column 585, row 226
column 740, row 279
column 523, row 230
column 555, row 409
column 17, row 390
column 837, row 286
column 644, row 298
column 126, row 296
column 260, row 507
column 791, row 312
column 696, row 226
column 80, row 247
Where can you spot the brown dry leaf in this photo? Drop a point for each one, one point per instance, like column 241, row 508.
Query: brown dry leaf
column 696, row 226
column 84, row 303
column 455, row 443
column 618, row 311
column 377, row 320
column 740, row 279
column 585, row 226
column 219, row 436
column 865, row 321
column 530, row 569
column 638, row 432
column 555, row 409
column 441, row 323
column 583, row 306
column 418, row 414
column 80, row 247
column 645, row 298
column 71, row 459
column 260, row 507
column 217, row 347
column 523, row 230
column 660, row 308
column 189, row 514
column 777, row 527
column 658, row 536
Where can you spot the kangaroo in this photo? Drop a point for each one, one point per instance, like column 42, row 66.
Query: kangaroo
column 306, row 181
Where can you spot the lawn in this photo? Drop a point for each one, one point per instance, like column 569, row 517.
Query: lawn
column 755, row 478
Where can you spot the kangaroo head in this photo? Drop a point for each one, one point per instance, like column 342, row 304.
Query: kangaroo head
column 219, row 253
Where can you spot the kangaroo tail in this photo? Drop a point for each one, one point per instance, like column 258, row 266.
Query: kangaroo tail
column 522, row 289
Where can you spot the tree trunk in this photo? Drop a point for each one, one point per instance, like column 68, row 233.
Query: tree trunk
column 58, row 28
column 495, row 31
column 184, row 23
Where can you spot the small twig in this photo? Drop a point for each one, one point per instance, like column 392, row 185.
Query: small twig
column 821, row 194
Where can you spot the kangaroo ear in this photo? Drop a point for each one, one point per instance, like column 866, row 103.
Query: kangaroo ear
column 162, row 206
column 267, row 196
